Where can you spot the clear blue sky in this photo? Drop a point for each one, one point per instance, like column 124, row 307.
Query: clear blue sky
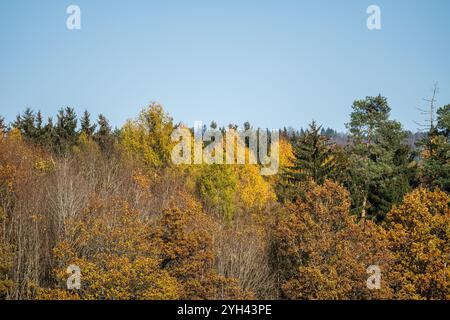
column 274, row 63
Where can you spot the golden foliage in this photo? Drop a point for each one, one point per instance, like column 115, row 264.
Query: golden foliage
column 122, row 255
column 6, row 262
column 110, row 244
column 185, row 239
column 323, row 253
column 140, row 228
column 147, row 138
column 286, row 153
column 253, row 190
column 419, row 232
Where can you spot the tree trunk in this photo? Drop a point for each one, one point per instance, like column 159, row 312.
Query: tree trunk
column 363, row 211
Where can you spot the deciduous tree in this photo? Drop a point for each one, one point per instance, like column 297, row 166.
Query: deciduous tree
column 321, row 252
column 419, row 234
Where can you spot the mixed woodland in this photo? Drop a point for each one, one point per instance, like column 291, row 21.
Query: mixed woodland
column 75, row 191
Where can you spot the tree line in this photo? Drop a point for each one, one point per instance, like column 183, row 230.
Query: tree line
column 77, row 192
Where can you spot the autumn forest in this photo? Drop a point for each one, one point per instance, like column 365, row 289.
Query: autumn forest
column 74, row 191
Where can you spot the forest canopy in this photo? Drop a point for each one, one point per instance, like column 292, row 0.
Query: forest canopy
column 74, row 191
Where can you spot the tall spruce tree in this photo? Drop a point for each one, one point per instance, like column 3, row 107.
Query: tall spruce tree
column 313, row 158
column 66, row 129
column 49, row 133
column 104, row 136
column 26, row 124
column 86, row 127
column 39, row 129
column 435, row 154
column 443, row 120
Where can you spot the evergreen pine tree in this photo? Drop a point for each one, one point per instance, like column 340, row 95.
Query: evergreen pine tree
column 443, row 120
column 49, row 134
column 436, row 153
column 380, row 160
column 66, row 129
column 313, row 158
column 86, row 127
column 104, row 136
column 26, row 124
column 39, row 129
